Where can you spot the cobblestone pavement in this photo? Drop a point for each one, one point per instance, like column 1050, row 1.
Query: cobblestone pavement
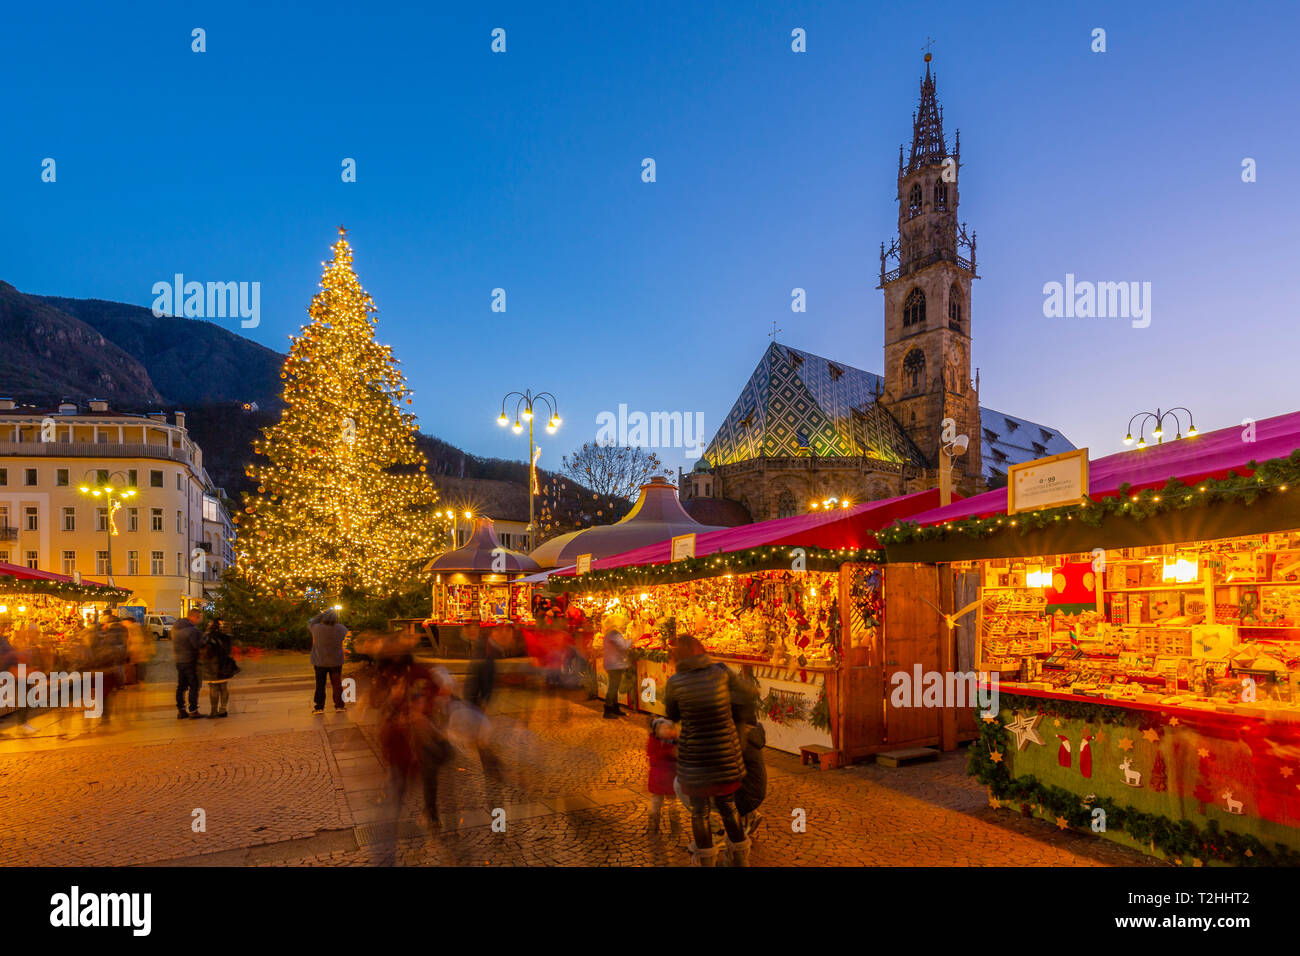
column 281, row 787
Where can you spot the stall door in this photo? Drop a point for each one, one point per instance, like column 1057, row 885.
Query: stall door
column 912, row 635
column 861, row 674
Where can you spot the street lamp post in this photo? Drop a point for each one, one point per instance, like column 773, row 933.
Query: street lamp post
column 1159, row 431
column 113, row 498
column 526, row 401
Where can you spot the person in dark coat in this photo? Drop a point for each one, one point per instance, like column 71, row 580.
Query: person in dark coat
column 186, row 640
column 710, row 764
column 327, row 635
column 216, row 666
column 753, row 789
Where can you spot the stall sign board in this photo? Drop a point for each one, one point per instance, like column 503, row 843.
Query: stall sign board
column 1051, row 482
column 683, row 546
column 584, row 564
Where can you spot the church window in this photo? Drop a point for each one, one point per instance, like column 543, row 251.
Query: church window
column 914, row 308
column 940, row 195
column 954, row 308
column 914, row 200
column 914, row 371
column 785, row 505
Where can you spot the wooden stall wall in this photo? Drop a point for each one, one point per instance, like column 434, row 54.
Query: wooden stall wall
column 912, row 637
column 879, row 639
column 860, row 701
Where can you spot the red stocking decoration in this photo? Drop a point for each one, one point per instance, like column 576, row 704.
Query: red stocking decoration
column 1063, row 755
column 1085, row 755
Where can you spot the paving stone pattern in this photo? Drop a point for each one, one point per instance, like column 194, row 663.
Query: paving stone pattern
column 281, row 787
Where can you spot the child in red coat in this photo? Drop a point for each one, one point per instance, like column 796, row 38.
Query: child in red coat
column 661, row 749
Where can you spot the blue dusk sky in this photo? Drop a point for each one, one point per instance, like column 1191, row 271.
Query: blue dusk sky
column 775, row 170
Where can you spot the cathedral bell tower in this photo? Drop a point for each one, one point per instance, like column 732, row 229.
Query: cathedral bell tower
column 927, row 297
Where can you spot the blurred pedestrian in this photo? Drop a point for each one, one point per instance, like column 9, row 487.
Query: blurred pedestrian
column 140, row 648
column 216, row 666
column 481, row 676
column 10, row 658
column 616, row 660
column 411, row 702
column 327, row 636
column 661, row 753
column 186, row 640
column 109, row 656
column 710, row 765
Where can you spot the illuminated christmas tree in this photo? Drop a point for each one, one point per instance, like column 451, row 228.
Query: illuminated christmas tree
column 343, row 501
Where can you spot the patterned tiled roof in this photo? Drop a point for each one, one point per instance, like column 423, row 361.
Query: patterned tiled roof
column 1008, row 440
column 799, row 405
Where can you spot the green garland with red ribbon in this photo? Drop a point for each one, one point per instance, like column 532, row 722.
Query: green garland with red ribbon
column 1272, row 477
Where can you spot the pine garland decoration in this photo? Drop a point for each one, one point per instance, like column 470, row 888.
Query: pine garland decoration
column 1274, row 476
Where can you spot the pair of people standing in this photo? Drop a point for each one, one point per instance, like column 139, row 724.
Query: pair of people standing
column 202, row 656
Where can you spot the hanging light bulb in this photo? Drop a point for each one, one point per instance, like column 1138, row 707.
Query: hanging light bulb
column 1128, row 439
column 516, row 427
column 503, row 421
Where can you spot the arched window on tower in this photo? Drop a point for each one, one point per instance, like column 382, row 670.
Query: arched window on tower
column 914, row 200
column 954, row 308
column 940, row 195
column 914, row 371
column 914, row 308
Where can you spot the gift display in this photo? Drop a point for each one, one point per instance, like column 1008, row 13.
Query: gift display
column 1166, row 621
column 1175, row 670
column 785, row 618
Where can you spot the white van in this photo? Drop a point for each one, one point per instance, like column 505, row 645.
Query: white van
column 159, row 625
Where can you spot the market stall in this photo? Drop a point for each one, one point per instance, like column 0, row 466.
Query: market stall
column 1146, row 645
column 803, row 621
column 46, row 615
column 477, row 586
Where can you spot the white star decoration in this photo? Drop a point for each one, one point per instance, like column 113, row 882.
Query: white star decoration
column 1026, row 729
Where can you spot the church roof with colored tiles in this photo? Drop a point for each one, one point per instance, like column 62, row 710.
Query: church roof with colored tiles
column 800, row 405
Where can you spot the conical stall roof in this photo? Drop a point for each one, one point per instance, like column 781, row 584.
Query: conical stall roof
column 482, row 554
column 657, row 516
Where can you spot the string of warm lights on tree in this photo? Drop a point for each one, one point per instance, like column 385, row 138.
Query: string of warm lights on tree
column 343, row 497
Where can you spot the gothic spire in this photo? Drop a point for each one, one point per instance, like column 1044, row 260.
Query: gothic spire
column 927, row 127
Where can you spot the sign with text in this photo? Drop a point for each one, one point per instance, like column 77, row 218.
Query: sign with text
column 1048, row 482
column 584, row 563
column 683, row 546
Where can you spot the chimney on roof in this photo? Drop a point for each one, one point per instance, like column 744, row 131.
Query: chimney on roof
column 180, row 419
column 67, row 408
column 98, row 405
column 8, row 404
